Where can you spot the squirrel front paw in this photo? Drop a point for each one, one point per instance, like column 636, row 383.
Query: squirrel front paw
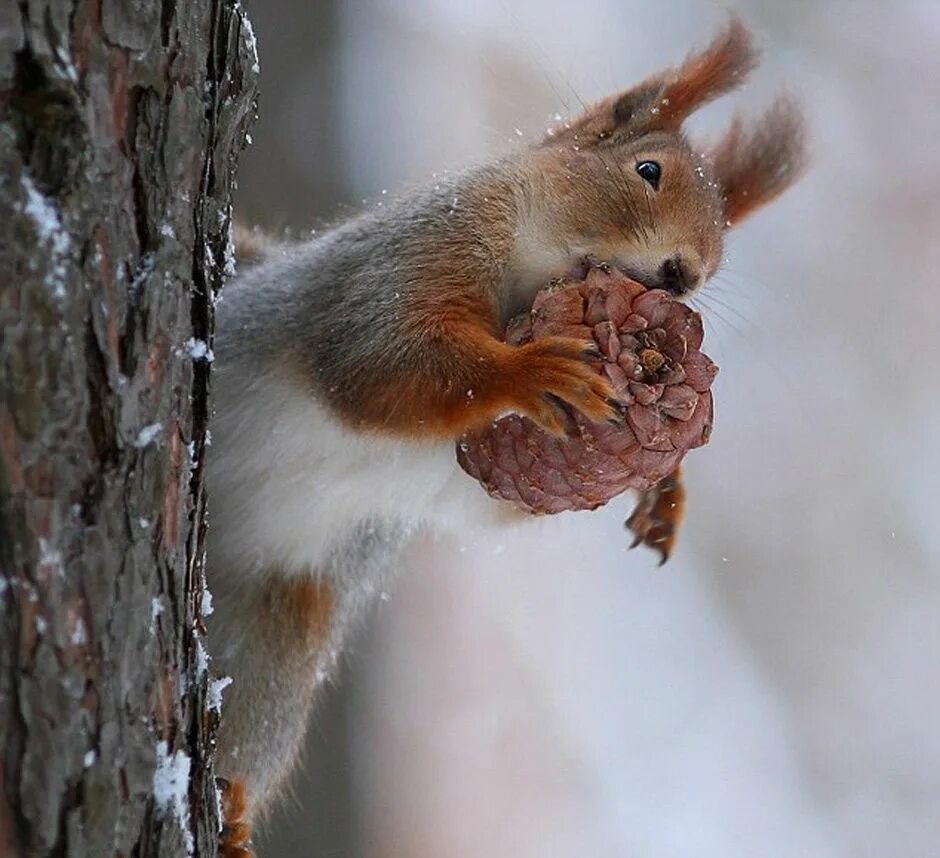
column 558, row 368
column 235, row 837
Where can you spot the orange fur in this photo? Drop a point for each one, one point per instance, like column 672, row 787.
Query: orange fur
column 756, row 164
column 457, row 373
column 305, row 607
column 704, row 76
column 659, row 514
column 663, row 102
column 235, row 838
column 251, row 245
column 477, row 377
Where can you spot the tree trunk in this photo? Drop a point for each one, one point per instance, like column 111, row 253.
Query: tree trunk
column 120, row 126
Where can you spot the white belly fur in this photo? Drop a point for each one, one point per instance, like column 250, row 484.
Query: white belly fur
column 288, row 484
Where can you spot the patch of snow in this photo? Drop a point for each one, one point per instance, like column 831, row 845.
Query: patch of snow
column 251, row 42
column 228, row 262
column 202, row 660
column 205, row 605
column 148, row 435
column 216, row 687
column 66, row 61
column 49, row 229
column 49, row 556
column 171, row 788
column 199, row 350
column 219, row 815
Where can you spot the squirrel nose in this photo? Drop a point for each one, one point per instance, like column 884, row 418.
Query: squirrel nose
column 676, row 277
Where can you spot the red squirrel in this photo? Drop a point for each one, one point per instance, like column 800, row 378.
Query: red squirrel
column 346, row 367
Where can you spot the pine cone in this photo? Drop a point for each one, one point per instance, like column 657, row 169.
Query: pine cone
column 649, row 345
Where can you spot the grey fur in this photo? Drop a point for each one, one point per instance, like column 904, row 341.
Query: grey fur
column 326, row 304
column 267, row 708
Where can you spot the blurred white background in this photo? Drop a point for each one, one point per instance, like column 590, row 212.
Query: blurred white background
column 772, row 691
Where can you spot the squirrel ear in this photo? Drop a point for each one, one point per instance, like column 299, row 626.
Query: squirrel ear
column 754, row 163
column 706, row 75
column 666, row 99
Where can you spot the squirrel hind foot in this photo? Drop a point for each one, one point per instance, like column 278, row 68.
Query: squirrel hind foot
column 657, row 518
column 235, row 837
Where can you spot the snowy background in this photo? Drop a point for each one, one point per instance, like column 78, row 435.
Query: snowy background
column 774, row 690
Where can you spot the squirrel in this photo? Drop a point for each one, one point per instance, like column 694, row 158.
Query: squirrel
column 346, row 367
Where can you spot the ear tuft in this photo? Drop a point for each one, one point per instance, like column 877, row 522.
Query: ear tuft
column 663, row 102
column 706, row 75
column 754, row 163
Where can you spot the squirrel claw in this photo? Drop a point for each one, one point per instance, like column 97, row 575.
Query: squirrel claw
column 554, row 369
column 620, row 415
column 592, row 351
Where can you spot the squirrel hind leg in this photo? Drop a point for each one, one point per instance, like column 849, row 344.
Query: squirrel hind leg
column 235, row 837
column 274, row 641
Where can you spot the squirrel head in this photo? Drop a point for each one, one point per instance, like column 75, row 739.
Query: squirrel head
column 634, row 191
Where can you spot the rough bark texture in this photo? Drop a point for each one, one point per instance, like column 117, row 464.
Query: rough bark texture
column 120, row 125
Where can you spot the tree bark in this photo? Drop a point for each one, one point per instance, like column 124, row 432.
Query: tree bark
column 120, row 126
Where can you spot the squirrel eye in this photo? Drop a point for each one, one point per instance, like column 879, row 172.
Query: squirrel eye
column 650, row 172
